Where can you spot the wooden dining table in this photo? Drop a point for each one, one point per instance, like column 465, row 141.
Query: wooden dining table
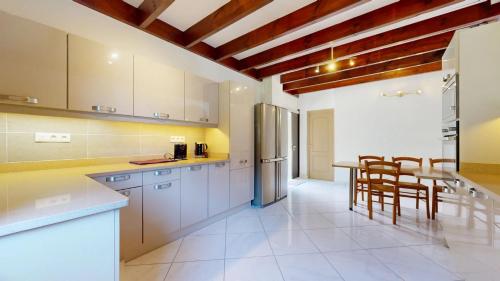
column 419, row 172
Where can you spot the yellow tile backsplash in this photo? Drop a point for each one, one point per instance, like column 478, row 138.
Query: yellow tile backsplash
column 90, row 138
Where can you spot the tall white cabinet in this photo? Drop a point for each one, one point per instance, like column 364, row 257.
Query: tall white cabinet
column 158, row 90
column 237, row 102
column 32, row 63
column 100, row 78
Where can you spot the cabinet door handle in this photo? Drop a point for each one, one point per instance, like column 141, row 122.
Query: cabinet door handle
column 194, row 168
column 125, row 193
column 24, row 99
column 101, row 108
column 163, row 186
column 220, row 165
column 118, row 178
column 160, row 115
column 163, row 172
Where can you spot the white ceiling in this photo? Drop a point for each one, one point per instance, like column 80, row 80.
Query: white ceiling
column 182, row 14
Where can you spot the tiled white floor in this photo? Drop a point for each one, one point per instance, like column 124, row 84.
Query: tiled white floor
column 309, row 236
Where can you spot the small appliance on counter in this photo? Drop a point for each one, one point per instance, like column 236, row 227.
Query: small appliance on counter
column 180, row 151
column 200, row 150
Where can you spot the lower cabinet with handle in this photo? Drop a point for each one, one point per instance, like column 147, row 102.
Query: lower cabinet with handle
column 162, row 211
column 194, row 194
column 218, row 188
column 131, row 224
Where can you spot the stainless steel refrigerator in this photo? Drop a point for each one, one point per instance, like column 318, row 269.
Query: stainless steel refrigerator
column 271, row 148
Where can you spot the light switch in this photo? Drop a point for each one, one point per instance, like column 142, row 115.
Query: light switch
column 177, row 139
column 53, row 137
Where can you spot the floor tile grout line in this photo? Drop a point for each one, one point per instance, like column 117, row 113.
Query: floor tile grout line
column 272, row 250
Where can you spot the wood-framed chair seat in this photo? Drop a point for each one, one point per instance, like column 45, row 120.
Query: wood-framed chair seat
column 383, row 178
column 361, row 180
column 413, row 189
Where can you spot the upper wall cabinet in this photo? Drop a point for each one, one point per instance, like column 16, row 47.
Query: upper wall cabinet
column 202, row 99
column 100, row 78
column 32, row 63
column 158, row 90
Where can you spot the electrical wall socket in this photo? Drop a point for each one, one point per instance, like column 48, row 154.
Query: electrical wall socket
column 177, row 139
column 53, row 137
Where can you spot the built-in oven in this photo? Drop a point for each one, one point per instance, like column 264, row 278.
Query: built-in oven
column 450, row 121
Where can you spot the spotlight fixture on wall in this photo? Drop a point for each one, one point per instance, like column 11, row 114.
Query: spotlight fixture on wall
column 400, row 94
column 332, row 65
column 317, row 69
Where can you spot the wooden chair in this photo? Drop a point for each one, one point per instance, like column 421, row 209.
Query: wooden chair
column 413, row 189
column 383, row 177
column 361, row 181
column 435, row 187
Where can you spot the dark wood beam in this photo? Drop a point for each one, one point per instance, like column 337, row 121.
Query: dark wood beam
column 451, row 21
column 428, row 44
column 389, row 14
column 151, row 9
column 226, row 15
column 367, row 70
column 132, row 16
column 430, row 67
column 302, row 17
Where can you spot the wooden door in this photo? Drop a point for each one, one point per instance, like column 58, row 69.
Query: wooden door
column 320, row 144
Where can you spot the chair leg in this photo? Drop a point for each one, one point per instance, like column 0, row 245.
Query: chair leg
column 356, row 196
column 418, row 199
column 362, row 193
column 398, row 199
column 382, row 201
column 434, row 203
column 394, row 206
column 370, row 207
column 427, row 203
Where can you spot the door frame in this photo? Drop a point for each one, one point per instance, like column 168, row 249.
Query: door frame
column 308, row 140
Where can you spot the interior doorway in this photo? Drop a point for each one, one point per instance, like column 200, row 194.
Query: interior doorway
column 320, row 144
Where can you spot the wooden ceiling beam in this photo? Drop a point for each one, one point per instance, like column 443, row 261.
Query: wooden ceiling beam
column 132, row 16
column 302, row 17
column 430, row 67
column 226, row 15
column 451, row 21
column 428, row 44
column 151, row 9
column 367, row 70
column 389, row 14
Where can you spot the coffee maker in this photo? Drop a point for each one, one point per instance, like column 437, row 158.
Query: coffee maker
column 200, row 150
column 180, row 151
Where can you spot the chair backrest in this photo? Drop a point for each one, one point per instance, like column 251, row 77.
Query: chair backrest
column 382, row 172
column 363, row 158
column 440, row 161
column 410, row 161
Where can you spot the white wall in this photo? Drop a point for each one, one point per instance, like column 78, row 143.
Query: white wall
column 272, row 93
column 77, row 19
column 366, row 123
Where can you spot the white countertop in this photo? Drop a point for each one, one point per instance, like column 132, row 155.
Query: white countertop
column 38, row 198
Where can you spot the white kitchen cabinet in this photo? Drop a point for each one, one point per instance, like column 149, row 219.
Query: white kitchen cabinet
column 131, row 224
column 241, row 186
column 162, row 211
column 100, row 78
column 33, row 63
column 194, row 194
column 158, row 90
column 201, row 99
column 218, row 188
column 241, row 100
